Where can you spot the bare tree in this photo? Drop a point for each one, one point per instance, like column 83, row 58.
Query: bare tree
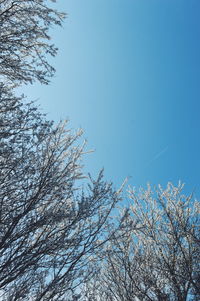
column 24, row 40
column 49, row 226
column 156, row 255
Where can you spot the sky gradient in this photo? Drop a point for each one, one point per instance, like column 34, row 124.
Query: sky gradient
column 128, row 73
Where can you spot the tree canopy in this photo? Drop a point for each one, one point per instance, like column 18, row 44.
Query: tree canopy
column 155, row 255
column 25, row 40
column 50, row 223
column 63, row 235
column 50, row 226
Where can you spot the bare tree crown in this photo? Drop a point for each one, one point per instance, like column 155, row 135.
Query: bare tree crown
column 49, row 226
column 156, row 254
column 25, row 40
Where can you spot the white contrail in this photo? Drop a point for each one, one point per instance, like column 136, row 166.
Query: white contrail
column 158, row 155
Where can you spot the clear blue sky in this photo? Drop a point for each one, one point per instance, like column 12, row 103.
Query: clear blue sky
column 128, row 73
